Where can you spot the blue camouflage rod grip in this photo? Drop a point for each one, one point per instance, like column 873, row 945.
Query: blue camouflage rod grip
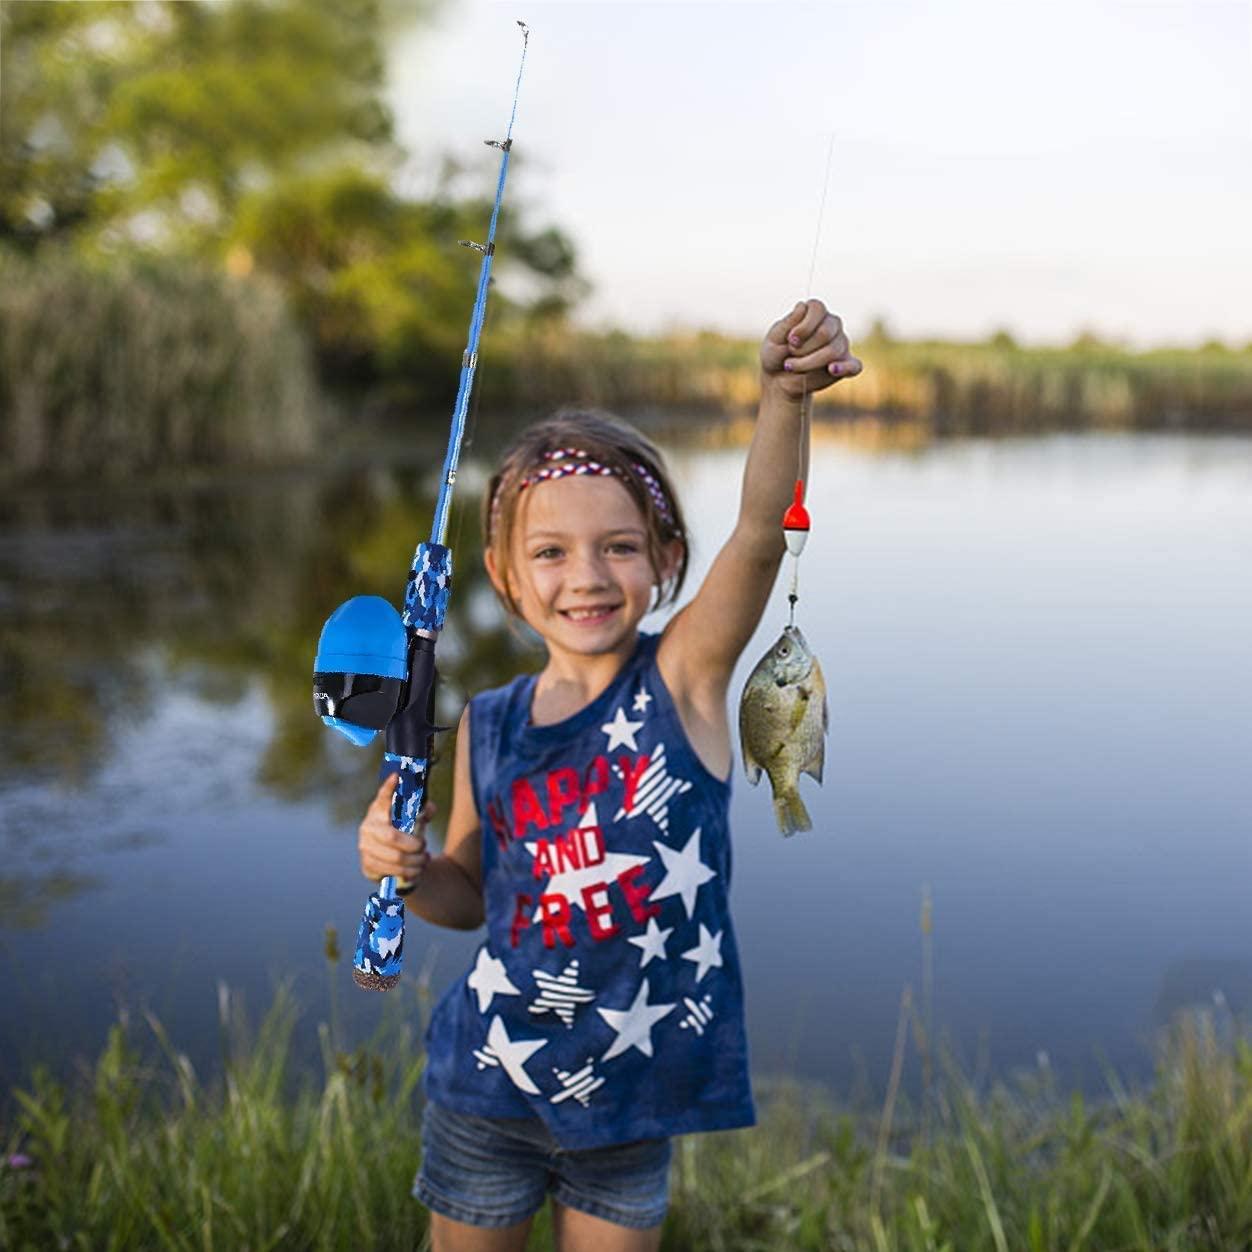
column 379, row 955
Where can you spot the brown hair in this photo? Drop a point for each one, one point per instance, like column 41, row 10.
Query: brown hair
column 632, row 459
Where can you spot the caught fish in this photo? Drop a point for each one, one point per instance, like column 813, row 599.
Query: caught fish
column 782, row 725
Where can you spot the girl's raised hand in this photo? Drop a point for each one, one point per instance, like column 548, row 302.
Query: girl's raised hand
column 384, row 850
column 806, row 351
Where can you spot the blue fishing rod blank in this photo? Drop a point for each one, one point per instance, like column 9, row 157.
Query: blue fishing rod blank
column 375, row 667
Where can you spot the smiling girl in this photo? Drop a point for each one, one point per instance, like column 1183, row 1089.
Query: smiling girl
column 603, row 1013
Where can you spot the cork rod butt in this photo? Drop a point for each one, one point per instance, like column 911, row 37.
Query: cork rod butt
column 372, row 981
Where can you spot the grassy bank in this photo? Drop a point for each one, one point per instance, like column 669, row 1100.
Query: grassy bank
column 140, row 1153
column 110, row 372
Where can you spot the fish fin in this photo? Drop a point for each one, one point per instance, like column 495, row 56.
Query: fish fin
column 814, row 766
column 790, row 811
column 751, row 768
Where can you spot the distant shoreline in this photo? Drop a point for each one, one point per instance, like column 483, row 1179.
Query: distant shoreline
column 105, row 375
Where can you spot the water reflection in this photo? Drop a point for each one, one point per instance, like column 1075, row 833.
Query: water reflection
column 156, row 651
column 210, row 591
column 1211, row 984
column 1038, row 668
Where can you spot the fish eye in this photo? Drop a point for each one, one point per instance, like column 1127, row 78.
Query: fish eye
column 784, row 650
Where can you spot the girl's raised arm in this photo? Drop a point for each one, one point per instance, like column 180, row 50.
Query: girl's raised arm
column 802, row 353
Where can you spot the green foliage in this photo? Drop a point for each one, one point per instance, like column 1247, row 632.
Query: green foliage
column 142, row 1153
column 54, row 86
column 146, row 1155
column 112, row 371
column 977, row 389
column 947, row 388
column 145, row 123
column 382, row 282
column 253, row 135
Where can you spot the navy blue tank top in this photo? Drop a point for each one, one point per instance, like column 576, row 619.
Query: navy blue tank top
column 607, row 998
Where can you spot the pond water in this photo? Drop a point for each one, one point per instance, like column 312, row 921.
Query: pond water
column 1040, row 677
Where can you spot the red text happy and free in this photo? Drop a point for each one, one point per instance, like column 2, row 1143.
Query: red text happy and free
column 576, row 849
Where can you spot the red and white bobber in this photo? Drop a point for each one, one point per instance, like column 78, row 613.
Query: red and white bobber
column 796, row 522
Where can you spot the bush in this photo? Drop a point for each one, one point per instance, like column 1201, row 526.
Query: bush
column 148, row 365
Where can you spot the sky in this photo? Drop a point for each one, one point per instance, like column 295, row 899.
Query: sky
column 1045, row 169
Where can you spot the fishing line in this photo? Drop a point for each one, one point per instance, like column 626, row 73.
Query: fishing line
column 821, row 212
column 806, row 402
column 806, row 407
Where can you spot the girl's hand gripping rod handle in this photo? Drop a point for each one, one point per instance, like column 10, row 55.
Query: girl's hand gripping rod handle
column 379, row 954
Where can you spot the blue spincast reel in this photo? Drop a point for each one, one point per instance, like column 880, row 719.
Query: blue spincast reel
column 361, row 667
column 374, row 673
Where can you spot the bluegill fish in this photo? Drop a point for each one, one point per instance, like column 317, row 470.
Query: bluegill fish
column 782, row 725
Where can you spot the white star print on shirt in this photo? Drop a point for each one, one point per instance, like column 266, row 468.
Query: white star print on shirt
column 642, row 700
column 685, row 873
column 653, row 790
column 621, row 731
column 707, row 953
column 570, row 882
column 652, row 942
column 634, row 1025
column 513, row 1054
column 489, row 979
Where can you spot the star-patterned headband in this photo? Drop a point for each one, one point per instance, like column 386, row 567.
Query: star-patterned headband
column 563, row 462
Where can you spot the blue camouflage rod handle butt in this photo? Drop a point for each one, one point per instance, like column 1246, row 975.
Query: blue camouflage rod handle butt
column 379, row 955
column 380, row 941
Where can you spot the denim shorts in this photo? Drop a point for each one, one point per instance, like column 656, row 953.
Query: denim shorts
column 490, row 1171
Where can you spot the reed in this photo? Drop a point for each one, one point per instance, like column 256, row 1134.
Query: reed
column 149, row 365
column 986, row 388
column 119, row 371
column 141, row 1152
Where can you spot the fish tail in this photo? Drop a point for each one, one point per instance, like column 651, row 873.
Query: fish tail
column 790, row 811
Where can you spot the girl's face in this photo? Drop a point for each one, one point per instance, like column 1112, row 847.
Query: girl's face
column 579, row 563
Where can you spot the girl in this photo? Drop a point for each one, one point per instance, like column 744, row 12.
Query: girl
column 604, row 1012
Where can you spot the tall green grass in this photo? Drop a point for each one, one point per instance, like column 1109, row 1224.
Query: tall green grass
column 117, row 371
column 141, row 1153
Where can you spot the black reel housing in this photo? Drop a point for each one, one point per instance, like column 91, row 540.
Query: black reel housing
column 412, row 730
column 368, row 700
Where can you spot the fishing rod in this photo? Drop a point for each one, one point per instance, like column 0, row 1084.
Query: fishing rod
column 375, row 667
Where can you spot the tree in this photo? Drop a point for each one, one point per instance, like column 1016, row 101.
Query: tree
column 1087, row 341
column 254, row 134
column 382, row 282
column 145, row 124
column 879, row 332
